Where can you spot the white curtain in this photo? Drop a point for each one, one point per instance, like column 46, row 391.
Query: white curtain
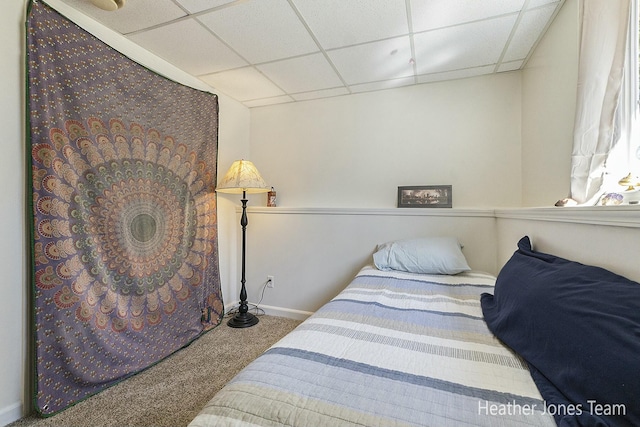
column 600, row 76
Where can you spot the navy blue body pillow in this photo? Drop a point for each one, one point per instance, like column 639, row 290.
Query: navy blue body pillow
column 578, row 328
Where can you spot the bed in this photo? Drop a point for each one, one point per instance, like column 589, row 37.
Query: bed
column 406, row 348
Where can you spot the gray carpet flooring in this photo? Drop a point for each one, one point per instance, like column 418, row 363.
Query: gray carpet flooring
column 172, row 392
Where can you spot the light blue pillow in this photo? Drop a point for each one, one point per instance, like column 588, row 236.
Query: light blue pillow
column 428, row 255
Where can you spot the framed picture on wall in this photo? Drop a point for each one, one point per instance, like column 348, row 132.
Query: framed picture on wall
column 425, row 196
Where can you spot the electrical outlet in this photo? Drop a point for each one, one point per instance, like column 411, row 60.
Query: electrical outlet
column 270, row 282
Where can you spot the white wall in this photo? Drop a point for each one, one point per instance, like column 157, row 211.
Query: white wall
column 314, row 253
column 337, row 163
column 608, row 238
column 13, row 248
column 15, row 368
column 354, row 151
column 549, row 84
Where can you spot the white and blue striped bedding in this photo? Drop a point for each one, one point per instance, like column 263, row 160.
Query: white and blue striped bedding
column 392, row 349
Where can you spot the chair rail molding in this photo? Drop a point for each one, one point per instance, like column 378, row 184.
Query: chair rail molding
column 616, row 216
column 442, row 212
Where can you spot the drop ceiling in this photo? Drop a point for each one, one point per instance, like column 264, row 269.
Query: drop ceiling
column 263, row 52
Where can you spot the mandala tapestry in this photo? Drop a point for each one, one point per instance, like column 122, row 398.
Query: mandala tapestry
column 124, row 238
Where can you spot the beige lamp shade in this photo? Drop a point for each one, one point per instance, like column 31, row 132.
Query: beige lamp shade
column 242, row 176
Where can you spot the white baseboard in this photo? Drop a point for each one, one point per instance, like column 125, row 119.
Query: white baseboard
column 273, row 311
column 10, row 414
column 286, row 312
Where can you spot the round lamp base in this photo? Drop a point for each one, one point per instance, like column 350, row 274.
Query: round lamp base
column 242, row 320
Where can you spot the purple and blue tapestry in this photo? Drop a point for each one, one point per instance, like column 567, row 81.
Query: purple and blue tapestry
column 124, row 237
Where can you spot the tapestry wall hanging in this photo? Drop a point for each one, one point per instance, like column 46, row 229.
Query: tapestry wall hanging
column 124, row 238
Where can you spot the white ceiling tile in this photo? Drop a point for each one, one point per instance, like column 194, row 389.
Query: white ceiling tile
column 510, row 66
column 268, row 101
column 326, row 93
column 190, row 47
column 261, row 30
column 339, row 23
column 387, row 59
column 430, row 14
column 464, row 46
column 243, row 84
column 302, row 74
column 195, row 6
column 528, row 31
column 457, row 74
column 136, row 15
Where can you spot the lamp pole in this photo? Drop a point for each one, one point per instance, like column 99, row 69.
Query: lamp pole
column 243, row 319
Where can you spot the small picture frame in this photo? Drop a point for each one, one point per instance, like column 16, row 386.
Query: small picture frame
column 425, row 196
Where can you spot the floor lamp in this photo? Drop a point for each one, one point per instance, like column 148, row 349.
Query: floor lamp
column 242, row 178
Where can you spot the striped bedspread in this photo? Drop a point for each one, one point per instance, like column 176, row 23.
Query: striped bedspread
column 392, row 349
